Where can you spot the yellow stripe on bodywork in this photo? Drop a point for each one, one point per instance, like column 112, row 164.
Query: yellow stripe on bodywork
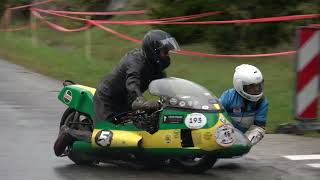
column 216, row 106
column 90, row 89
column 205, row 138
column 202, row 138
column 162, row 139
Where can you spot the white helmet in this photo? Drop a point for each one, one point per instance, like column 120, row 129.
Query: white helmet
column 245, row 76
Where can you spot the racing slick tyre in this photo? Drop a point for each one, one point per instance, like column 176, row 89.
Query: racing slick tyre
column 195, row 165
column 81, row 158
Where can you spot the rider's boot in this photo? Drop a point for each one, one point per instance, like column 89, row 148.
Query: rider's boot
column 64, row 139
column 82, row 135
column 67, row 136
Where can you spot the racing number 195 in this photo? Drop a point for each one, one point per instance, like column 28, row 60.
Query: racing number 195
column 195, row 120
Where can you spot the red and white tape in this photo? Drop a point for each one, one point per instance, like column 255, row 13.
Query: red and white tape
column 200, row 54
column 194, row 53
column 60, row 28
column 30, row 5
column 171, row 20
column 314, row 25
column 94, row 13
column 243, row 21
column 123, row 36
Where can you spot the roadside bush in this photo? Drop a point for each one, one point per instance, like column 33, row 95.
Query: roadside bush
column 168, row 8
column 23, row 13
column 11, row 3
column 84, row 5
column 235, row 37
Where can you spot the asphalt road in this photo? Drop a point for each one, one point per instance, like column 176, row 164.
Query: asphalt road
column 29, row 118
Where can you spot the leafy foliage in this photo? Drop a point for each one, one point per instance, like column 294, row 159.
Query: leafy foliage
column 71, row 5
column 168, row 8
column 13, row 3
column 236, row 38
column 224, row 38
column 6, row 3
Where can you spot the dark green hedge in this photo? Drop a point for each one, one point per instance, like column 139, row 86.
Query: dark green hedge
column 235, row 38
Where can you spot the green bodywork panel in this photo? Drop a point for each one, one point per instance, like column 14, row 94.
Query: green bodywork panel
column 212, row 118
column 226, row 115
column 233, row 151
column 81, row 99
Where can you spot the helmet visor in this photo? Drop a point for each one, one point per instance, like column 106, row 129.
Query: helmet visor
column 169, row 44
column 254, row 89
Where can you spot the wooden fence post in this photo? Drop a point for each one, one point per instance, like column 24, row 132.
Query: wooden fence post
column 88, row 41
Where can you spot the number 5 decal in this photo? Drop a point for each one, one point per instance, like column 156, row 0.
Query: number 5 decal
column 104, row 138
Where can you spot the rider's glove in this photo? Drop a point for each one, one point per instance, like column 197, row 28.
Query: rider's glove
column 255, row 134
column 143, row 105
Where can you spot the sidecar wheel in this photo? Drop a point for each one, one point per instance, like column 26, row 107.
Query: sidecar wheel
column 195, row 165
column 78, row 158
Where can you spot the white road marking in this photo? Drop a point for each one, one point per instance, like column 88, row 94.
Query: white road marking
column 306, row 157
column 303, row 157
column 314, row 165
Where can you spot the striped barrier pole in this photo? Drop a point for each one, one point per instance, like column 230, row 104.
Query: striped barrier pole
column 307, row 77
column 307, row 83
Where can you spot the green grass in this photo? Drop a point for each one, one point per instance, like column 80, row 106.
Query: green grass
column 62, row 56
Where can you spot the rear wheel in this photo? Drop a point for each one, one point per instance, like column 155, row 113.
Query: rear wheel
column 81, row 158
column 72, row 119
column 152, row 163
column 195, row 164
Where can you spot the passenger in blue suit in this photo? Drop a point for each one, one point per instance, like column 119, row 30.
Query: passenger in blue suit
column 246, row 104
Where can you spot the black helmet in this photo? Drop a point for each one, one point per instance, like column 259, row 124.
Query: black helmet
column 153, row 42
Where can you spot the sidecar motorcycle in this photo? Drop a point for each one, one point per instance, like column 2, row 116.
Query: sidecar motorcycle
column 191, row 130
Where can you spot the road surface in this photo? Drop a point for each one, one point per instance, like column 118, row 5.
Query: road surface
column 29, row 118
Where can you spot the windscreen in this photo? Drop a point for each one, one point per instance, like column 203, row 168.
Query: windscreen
column 182, row 93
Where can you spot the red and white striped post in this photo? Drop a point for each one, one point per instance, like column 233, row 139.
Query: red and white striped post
column 307, row 83
column 308, row 71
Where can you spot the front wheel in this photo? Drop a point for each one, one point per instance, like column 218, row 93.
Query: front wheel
column 195, row 165
column 71, row 118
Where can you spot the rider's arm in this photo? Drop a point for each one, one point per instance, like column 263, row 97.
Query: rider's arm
column 133, row 81
column 141, row 104
column 261, row 114
column 255, row 134
column 133, row 87
column 225, row 99
column 257, row 131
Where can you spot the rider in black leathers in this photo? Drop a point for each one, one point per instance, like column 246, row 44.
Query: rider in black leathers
column 122, row 90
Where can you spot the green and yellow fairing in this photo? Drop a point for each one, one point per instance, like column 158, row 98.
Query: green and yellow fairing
column 166, row 141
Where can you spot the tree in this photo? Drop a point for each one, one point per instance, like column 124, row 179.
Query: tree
column 233, row 37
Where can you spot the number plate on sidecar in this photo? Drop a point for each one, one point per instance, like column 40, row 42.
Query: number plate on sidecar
column 195, row 121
